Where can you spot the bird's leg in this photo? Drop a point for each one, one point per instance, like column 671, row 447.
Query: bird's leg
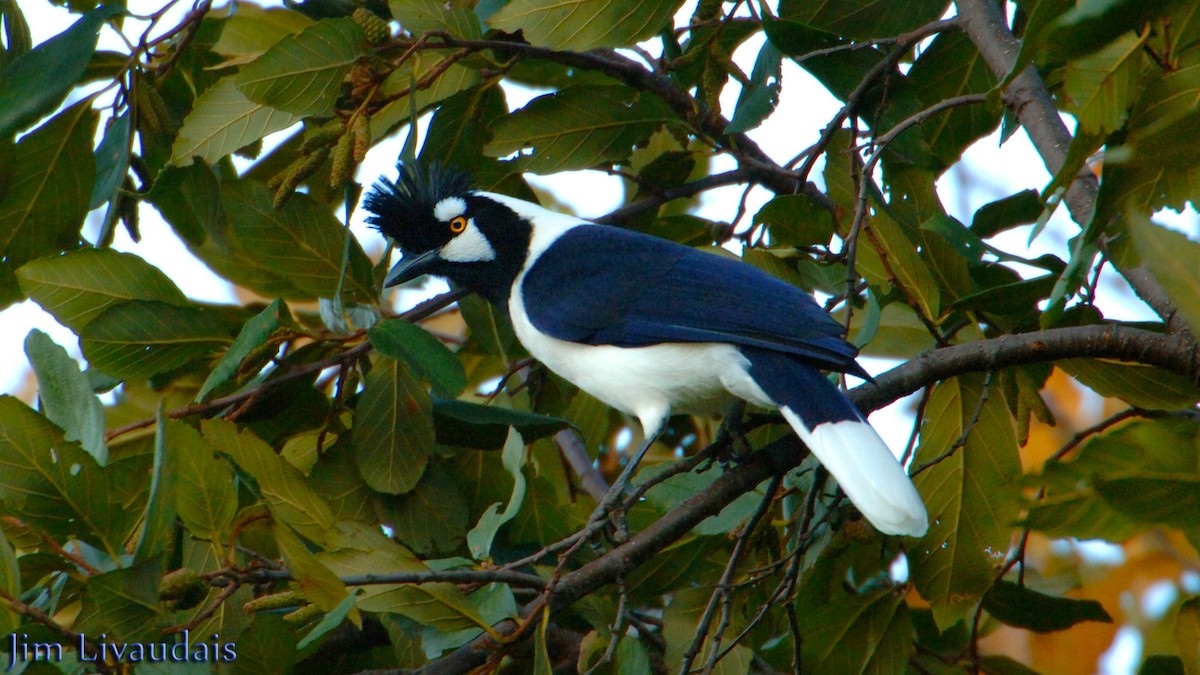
column 730, row 442
column 617, row 491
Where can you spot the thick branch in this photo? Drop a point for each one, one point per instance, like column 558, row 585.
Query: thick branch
column 1103, row 341
column 1028, row 97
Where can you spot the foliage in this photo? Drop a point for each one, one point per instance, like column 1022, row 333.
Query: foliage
column 319, row 481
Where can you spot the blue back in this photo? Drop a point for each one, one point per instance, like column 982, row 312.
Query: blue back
column 604, row 285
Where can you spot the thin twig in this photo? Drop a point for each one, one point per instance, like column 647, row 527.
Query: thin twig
column 967, row 429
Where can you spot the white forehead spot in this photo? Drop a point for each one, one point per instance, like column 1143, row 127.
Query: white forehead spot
column 468, row 246
column 449, row 209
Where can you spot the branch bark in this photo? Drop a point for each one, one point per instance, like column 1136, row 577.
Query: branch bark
column 1029, row 99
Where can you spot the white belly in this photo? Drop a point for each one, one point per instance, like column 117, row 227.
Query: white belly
column 647, row 382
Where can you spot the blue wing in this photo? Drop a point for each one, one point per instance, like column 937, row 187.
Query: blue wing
column 603, row 285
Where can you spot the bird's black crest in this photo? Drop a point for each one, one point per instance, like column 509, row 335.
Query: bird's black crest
column 403, row 209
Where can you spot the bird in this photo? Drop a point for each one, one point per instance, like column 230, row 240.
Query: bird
column 646, row 325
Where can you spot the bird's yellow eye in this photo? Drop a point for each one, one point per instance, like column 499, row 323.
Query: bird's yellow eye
column 458, row 225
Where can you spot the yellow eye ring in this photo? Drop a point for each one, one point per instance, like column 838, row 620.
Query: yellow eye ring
column 458, row 225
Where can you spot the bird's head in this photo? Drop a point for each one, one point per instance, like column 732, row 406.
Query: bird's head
column 444, row 227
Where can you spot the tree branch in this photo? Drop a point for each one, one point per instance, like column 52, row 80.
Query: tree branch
column 760, row 167
column 1028, row 97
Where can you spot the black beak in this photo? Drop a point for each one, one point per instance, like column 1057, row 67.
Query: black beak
column 410, row 267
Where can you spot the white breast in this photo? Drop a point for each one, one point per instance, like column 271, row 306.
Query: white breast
column 647, row 382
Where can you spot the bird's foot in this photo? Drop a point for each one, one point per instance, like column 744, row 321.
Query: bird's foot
column 730, row 445
column 610, row 515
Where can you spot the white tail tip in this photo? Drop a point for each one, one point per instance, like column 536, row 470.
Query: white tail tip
column 867, row 472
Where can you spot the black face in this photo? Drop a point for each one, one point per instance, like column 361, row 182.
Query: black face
column 443, row 227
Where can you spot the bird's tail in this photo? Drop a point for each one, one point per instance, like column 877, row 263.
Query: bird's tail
column 846, row 445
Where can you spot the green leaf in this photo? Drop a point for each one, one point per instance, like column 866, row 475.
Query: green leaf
column 252, row 29
column 301, row 241
column 253, row 335
column 1139, row 385
column 302, row 74
column 1072, row 506
column 336, row 479
column 112, row 159
column 420, row 67
column 756, row 102
column 490, row 330
column 952, row 66
column 1163, row 126
column 1172, row 260
column 44, row 205
column 972, row 496
column 209, row 503
column 677, row 489
column 542, row 517
column 10, row 581
column 866, row 630
column 433, row 517
column 65, row 396
column 328, row 622
column 17, row 39
column 459, row 128
column 56, row 487
column 268, row 645
column 578, row 127
column 1092, row 24
column 138, row 339
column 223, row 120
column 1004, row 214
column 367, row 551
column 190, row 199
column 889, row 254
column 580, row 25
column 1187, row 635
column 422, row 16
column 10, row 287
column 796, row 220
column 158, row 520
column 632, row 657
column 78, row 286
column 1026, row 608
column 862, row 19
column 1159, row 163
column 393, row 428
column 480, row 538
column 405, row 341
column 36, row 82
column 485, row 427
column 1169, row 499
column 123, row 604
column 291, row 500
column 319, row 584
column 1081, row 514
column 1101, row 87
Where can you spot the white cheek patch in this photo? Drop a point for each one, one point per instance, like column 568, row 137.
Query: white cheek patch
column 449, row 208
column 468, row 246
